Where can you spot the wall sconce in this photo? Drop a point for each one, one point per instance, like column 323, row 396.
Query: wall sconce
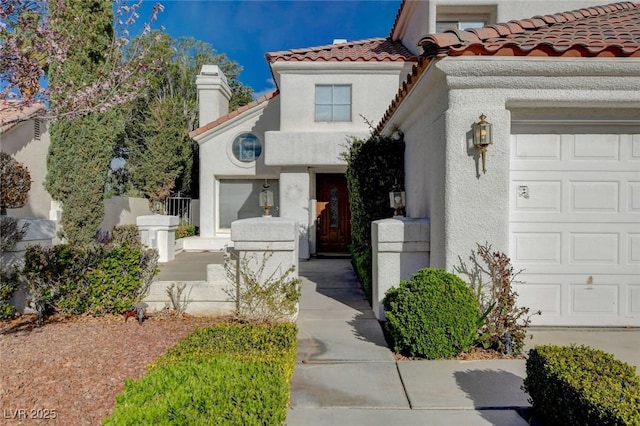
column 266, row 198
column 482, row 138
column 158, row 208
column 397, row 199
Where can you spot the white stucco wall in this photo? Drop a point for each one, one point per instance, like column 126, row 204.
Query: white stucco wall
column 297, row 92
column 443, row 178
column 217, row 160
column 19, row 142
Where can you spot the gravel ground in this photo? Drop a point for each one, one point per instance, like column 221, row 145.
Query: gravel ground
column 69, row 371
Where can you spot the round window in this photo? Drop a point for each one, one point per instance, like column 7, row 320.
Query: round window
column 246, row 147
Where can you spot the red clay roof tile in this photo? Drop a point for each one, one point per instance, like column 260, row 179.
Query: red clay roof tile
column 200, row 130
column 374, row 49
column 613, row 28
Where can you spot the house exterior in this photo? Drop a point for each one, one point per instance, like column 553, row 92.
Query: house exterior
column 561, row 192
column 28, row 142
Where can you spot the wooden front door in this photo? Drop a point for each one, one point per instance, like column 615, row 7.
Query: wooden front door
column 333, row 226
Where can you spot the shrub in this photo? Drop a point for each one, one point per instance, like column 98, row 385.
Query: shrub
column 227, row 374
column 183, row 231
column 374, row 165
column 11, row 232
column 433, row 315
column 499, row 315
column 126, row 234
column 94, row 279
column 15, row 183
column 261, row 296
column 9, row 284
column 581, row 386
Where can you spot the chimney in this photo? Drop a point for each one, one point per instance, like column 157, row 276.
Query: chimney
column 213, row 94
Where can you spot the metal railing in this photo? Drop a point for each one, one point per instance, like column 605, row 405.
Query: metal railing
column 180, row 206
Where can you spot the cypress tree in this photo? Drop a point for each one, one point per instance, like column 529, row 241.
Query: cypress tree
column 81, row 149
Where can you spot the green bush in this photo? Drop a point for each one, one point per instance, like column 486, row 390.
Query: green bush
column 94, row 279
column 9, row 284
column 578, row 385
column 228, row 374
column 126, row 234
column 183, row 231
column 433, row 315
column 374, row 166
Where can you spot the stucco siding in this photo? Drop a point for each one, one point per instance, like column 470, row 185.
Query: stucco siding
column 475, row 206
column 298, row 96
column 19, row 142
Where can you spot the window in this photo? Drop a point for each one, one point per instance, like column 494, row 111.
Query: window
column 333, row 102
column 460, row 24
column 246, row 147
column 238, row 199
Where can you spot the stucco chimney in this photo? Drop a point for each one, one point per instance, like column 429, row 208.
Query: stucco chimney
column 213, row 94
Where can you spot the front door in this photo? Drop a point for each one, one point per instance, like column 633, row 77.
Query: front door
column 333, row 217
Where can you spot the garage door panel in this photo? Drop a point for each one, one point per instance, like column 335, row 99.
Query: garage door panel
column 545, row 297
column 634, row 299
column 594, row 196
column 593, row 300
column 575, row 226
column 634, row 197
column 634, row 249
column 594, row 248
column 595, row 147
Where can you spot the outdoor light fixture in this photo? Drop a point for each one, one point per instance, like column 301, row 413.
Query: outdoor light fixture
column 266, row 198
column 482, row 138
column 157, row 207
column 397, row 199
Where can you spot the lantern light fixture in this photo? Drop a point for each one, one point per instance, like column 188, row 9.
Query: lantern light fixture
column 397, row 199
column 266, row 199
column 482, row 138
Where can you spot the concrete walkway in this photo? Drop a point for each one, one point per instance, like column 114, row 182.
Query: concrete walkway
column 347, row 375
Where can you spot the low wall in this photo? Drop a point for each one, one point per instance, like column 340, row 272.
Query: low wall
column 212, row 296
column 123, row 211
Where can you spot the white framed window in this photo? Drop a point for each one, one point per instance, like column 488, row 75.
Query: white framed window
column 461, row 24
column 238, row 199
column 246, row 147
column 333, row 102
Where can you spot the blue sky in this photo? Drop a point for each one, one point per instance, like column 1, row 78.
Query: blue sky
column 246, row 30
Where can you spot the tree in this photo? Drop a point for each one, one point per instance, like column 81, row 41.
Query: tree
column 82, row 148
column 15, row 183
column 34, row 41
column 159, row 154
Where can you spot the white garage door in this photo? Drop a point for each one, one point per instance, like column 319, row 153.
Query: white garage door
column 575, row 225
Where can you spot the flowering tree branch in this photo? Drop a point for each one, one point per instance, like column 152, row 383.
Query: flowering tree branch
column 31, row 45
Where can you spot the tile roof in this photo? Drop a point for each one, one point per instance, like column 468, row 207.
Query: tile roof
column 609, row 30
column 373, row 49
column 603, row 31
column 12, row 113
column 200, row 130
column 395, row 22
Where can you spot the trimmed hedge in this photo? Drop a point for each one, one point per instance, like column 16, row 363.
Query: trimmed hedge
column 95, row 279
column 581, row 386
column 228, row 374
column 374, row 166
column 433, row 315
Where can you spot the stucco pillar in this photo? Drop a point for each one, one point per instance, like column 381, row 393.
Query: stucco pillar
column 400, row 248
column 213, row 94
column 159, row 232
column 269, row 242
column 294, row 204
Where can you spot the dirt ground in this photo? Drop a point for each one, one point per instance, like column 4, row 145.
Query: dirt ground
column 69, row 371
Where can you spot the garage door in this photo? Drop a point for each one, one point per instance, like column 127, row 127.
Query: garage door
column 575, row 224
